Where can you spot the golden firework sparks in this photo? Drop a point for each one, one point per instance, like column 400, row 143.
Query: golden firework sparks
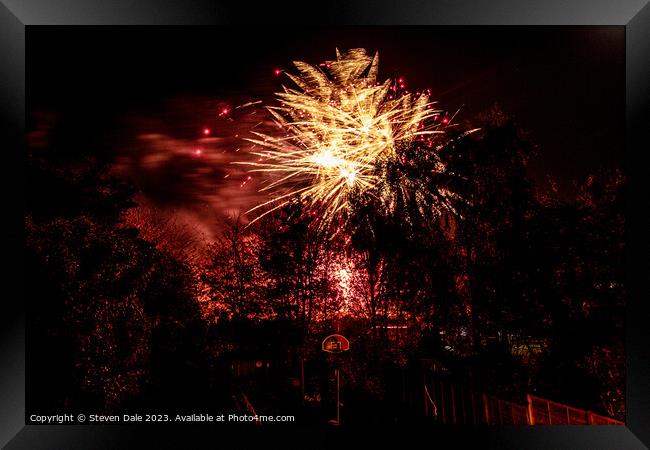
column 337, row 125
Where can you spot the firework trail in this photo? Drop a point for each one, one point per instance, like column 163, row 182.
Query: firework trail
column 336, row 129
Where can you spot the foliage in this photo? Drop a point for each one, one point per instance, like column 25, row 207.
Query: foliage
column 104, row 304
column 506, row 289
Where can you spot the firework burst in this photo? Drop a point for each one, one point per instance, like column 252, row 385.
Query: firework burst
column 337, row 129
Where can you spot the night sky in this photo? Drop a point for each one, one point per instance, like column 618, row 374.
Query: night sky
column 142, row 97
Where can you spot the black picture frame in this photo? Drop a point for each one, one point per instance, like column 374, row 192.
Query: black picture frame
column 17, row 15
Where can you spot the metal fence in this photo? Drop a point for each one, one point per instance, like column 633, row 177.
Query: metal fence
column 454, row 404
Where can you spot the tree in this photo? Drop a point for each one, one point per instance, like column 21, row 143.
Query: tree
column 233, row 274
column 295, row 259
column 493, row 234
column 586, row 310
column 99, row 296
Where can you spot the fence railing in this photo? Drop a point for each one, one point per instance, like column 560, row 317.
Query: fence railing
column 454, row 404
column 548, row 412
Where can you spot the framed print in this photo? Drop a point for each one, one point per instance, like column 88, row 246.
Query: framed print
column 308, row 225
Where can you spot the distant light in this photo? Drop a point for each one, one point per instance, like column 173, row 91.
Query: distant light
column 198, row 152
column 445, row 120
column 277, row 72
column 206, row 131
